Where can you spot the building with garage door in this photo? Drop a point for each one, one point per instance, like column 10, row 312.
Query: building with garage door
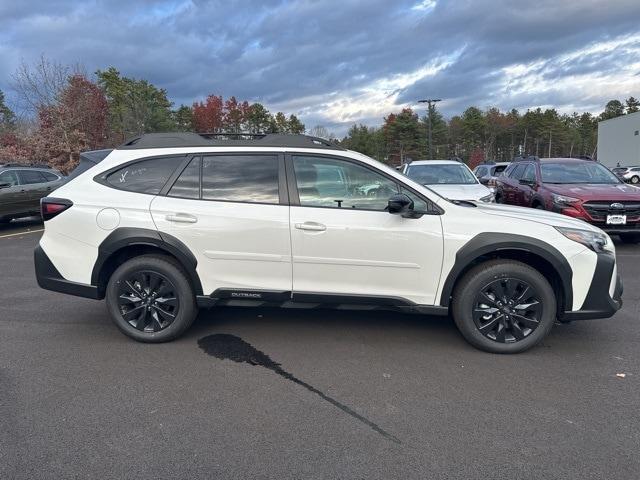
column 619, row 141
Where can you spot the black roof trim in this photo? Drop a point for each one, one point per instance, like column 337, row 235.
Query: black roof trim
column 41, row 166
column 95, row 156
column 187, row 139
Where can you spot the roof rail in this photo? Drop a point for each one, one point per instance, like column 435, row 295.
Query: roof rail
column 189, row 139
column 26, row 165
column 530, row 158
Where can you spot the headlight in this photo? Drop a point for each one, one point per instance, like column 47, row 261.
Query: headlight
column 596, row 241
column 488, row 198
column 564, row 200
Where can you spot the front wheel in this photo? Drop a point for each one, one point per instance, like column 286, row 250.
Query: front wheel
column 504, row 306
column 150, row 299
column 635, row 179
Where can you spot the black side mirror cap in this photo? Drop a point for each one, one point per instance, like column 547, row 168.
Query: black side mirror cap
column 400, row 204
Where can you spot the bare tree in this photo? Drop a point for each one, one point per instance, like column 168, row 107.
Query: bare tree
column 320, row 132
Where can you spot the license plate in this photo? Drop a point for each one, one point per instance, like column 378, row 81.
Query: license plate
column 616, row 219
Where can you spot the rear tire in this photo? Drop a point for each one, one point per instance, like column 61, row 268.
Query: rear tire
column 630, row 237
column 635, row 179
column 150, row 299
column 504, row 306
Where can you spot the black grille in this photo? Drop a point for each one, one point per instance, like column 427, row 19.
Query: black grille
column 599, row 210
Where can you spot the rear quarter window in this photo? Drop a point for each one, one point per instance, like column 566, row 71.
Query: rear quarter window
column 145, row 176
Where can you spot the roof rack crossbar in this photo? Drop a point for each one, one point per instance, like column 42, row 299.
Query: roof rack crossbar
column 221, row 139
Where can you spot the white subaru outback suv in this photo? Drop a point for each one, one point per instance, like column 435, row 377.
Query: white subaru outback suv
column 167, row 223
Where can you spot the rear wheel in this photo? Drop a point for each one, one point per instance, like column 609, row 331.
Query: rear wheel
column 150, row 299
column 630, row 237
column 635, row 179
column 504, row 306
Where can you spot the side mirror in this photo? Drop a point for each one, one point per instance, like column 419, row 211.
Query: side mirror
column 400, row 204
column 5, row 185
column 484, row 180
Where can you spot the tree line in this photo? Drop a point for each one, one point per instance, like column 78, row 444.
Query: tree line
column 65, row 111
column 477, row 135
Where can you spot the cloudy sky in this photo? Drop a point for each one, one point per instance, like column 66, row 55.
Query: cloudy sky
column 336, row 62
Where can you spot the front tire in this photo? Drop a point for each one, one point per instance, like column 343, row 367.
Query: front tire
column 504, row 306
column 635, row 179
column 150, row 299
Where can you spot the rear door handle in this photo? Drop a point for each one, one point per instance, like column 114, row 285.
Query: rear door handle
column 182, row 218
column 313, row 226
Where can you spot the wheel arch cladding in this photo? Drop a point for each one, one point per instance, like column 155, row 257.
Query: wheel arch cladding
column 541, row 255
column 125, row 243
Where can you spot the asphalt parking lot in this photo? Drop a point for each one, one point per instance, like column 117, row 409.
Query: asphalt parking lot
column 334, row 395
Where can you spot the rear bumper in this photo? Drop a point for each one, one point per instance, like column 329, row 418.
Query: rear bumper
column 598, row 303
column 49, row 278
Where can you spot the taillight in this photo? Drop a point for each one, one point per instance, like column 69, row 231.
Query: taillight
column 50, row 207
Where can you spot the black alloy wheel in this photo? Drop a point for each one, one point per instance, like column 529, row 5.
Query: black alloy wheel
column 148, row 301
column 507, row 310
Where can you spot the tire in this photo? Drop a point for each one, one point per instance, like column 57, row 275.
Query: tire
column 539, row 206
column 499, row 197
column 150, row 299
column 635, row 179
column 630, row 237
column 502, row 275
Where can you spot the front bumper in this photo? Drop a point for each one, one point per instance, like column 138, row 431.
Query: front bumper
column 598, row 303
column 49, row 278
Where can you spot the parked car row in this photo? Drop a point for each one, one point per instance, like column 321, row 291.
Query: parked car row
column 22, row 187
column 577, row 188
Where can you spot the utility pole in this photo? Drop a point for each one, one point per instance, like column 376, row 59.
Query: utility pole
column 430, row 102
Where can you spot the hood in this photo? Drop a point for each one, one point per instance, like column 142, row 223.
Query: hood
column 461, row 192
column 592, row 191
column 535, row 215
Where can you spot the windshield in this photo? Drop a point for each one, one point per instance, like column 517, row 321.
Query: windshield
column 440, row 174
column 579, row 172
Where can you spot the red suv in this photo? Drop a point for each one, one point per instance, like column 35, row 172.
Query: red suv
column 578, row 188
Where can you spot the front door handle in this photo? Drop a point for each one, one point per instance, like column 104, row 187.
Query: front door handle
column 182, row 218
column 313, row 226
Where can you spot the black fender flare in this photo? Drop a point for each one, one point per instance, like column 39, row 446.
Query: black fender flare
column 126, row 237
column 490, row 242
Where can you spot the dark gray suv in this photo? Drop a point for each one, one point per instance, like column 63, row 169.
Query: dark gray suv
column 22, row 187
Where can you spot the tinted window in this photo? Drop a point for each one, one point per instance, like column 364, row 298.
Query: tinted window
column 324, row 182
column 30, row 176
column 481, row 172
column 146, row 176
column 578, row 172
column 240, row 178
column 517, row 172
column 49, row 177
column 188, row 183
column 530, row 173
column 9, row 177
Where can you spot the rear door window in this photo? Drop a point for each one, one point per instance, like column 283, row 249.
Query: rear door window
column 49, row 177
column 188, row 183
column 145, row 176
column 30, row 177
column 241, row 178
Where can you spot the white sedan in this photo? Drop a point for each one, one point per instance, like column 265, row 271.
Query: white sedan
column 449, row 178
